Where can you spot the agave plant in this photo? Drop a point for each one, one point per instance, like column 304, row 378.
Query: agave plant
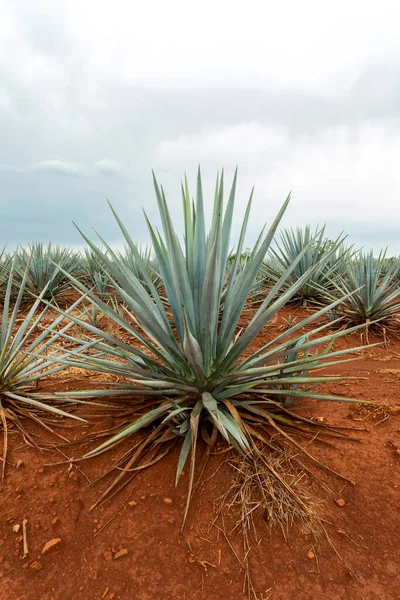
column 27, row 353
column 94, row 275
column 322, row 258
column 43, row 273
column 145, row 266
column 192, row 373
column 371, row 290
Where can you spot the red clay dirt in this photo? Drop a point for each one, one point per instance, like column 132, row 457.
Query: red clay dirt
column 130, row 547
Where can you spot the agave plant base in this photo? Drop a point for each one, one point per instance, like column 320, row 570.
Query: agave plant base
column 276, row 432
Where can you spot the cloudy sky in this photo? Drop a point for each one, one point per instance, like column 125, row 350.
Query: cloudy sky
column 303, row 96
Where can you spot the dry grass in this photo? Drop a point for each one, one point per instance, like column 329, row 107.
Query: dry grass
column 267, row 488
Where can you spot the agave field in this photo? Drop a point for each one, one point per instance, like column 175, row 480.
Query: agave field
column 197, row 418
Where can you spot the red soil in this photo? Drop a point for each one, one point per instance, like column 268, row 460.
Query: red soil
column 155, row 562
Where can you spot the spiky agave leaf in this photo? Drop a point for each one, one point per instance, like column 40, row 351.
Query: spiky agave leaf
column 27, row 353
column 193, row 360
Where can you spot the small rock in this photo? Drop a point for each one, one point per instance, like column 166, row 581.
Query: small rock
column 55, row 521
column 16, row 528
column 132, row 503
column 311, row 554
column 36, row 566
column 340, row 502
column 51, row 544
column 19, row 463
column 120, row 553
column 168, row 500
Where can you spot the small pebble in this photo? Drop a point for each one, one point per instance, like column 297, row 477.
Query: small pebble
column 120, row 553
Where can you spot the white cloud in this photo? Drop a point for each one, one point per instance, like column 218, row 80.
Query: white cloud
column 241, row 143
column 10, row 168
column 282, row 43
column 345, row 176
column 107, row 166
column 60, row 166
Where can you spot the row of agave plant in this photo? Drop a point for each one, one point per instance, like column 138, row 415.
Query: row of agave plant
column 334, row 271
column 50, row 266
column 190, row 371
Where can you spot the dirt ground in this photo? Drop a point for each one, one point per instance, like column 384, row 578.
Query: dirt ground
column 131, row 548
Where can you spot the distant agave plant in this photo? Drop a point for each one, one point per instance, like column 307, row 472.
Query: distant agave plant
column 28, row 353
column 322, row 258
column 193, row 362
column 145, row 267
column 94, row 275
column 45, row 268
column 371, row 291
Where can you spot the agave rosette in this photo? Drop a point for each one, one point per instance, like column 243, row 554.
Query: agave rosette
column 28, row 352
column 192, row 361
column 323, row 259
column 44, row 270
column 370, row 289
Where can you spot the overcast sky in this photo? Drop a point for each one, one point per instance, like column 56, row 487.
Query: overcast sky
column 303, row 96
